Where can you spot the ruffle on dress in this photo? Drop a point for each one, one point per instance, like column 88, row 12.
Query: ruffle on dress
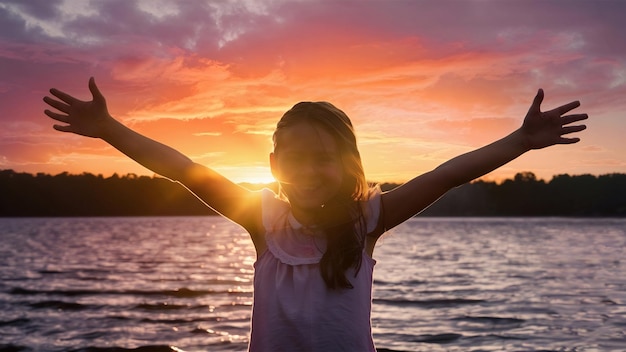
column 294, row 244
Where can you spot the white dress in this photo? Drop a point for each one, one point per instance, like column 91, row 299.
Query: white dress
column 293, row 309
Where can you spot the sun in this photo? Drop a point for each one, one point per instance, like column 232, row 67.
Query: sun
column 259, row 180
column 254, row 175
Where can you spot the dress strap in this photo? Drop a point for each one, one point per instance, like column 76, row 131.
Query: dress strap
column 376, row 210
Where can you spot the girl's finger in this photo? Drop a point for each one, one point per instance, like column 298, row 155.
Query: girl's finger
column 568, row 140
column 95, row 92
column 563, row 109
column 535, row 107
column 57, row 104
column 62, row 128
column 567, row 119
column 64, row 96
column 572, row 129
column 55, row 116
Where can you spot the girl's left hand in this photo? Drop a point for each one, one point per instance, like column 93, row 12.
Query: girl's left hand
column 543, row 129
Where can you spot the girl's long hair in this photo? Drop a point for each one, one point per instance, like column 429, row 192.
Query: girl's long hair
column 342, row 218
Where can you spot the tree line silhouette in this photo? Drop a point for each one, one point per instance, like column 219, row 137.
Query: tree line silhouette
column 24, row 194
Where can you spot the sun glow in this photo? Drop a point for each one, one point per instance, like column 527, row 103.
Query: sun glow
column 247, row 174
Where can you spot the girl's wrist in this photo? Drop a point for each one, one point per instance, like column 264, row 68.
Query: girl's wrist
column 109, row 128
column 522, row 140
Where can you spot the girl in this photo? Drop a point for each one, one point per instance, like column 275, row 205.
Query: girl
column 315, row 239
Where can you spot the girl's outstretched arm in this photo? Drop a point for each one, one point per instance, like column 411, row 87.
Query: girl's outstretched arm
column 539, row 130
column 92, row 119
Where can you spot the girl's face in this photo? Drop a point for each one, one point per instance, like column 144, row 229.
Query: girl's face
column 307, row 163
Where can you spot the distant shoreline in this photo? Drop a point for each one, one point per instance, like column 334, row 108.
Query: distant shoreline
column 88, row 195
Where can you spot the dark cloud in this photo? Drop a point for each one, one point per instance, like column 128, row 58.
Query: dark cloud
column 13, row 28
column 44, row 10
column 229, row 31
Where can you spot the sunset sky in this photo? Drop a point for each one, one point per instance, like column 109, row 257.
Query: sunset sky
column 422, row 81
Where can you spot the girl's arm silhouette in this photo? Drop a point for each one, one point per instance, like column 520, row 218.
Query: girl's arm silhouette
column 539, row 130
column 92, row 119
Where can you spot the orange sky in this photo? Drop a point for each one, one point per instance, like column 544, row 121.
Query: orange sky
column 422, row 81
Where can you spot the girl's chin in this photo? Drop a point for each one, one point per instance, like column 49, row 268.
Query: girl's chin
column 306, row 199
column 307, row 204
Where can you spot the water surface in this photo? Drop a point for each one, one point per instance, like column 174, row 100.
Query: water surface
column 451, row 284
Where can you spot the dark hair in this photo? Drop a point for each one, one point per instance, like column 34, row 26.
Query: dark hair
column 342, row 218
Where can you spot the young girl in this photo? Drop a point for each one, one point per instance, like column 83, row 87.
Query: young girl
column 315, row 239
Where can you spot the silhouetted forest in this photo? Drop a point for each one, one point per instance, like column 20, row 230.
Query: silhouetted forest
column 23, row 194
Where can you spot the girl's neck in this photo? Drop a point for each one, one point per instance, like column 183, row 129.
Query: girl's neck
column 326, row 216
column 306, row 217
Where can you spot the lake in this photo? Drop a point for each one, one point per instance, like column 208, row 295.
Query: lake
column 185, row 283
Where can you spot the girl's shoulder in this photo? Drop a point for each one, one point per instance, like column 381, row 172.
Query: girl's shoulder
column 269, row 198
column 372, row 207
column 272, row 207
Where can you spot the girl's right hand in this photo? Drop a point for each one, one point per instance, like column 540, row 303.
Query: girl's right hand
column 86, row 118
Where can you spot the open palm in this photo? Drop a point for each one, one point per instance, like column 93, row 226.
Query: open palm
column 87, row 118
column 543, row 129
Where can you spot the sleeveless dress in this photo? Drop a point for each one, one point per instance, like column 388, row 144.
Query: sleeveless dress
column 293, row 310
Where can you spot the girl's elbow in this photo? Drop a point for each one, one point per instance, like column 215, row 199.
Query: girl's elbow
column 446, row 178
column 189, row 172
